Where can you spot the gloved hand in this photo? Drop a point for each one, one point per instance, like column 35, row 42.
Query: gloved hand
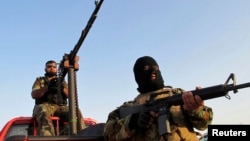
column 141, row 120
column 53, row 86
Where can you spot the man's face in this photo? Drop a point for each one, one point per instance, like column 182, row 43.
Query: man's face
column 147, row 75
column 150, row 77
column 150, row 72
column 51, row 69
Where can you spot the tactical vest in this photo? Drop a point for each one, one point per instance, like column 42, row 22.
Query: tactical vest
column 55, row 98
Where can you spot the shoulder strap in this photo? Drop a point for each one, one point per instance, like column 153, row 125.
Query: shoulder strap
column 43, row 81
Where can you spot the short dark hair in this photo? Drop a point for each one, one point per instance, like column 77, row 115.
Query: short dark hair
column 49, row 62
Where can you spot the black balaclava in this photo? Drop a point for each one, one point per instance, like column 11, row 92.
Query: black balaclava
column 143, row 77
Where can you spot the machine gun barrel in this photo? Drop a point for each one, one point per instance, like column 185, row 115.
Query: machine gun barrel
column 69, row 64
column 84, row 33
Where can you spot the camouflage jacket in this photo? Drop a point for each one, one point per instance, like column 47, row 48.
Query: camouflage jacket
column 49, row 97
column 182, row 123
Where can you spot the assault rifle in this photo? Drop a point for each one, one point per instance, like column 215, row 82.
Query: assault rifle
column 162, row 105
column 69, row 64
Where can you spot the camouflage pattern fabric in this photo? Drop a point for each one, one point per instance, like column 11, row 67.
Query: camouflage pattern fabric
column 43, row 113
column 44, row 110
column 55, row 97
column 182, row 123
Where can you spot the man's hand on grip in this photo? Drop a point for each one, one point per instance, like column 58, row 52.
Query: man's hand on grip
column 53, row 85
column 142, row 120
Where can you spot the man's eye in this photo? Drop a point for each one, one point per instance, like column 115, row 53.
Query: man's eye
column 146, row 67
column 151, row 67
column 155, row 67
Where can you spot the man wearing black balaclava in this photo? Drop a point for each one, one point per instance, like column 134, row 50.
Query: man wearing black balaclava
column 143, row 126
column 147, row 75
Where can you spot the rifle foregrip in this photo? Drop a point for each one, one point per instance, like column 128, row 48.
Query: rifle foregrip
column 211, row 92
column 204, row 93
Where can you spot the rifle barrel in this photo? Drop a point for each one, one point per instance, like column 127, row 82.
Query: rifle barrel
column 86, row 30
column 240, row 86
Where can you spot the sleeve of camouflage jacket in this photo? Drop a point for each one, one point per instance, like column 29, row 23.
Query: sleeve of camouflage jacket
column 201, row 117
column 116, row 129
column 36, row 85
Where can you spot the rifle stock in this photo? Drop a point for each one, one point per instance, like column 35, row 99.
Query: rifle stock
column 162, row 105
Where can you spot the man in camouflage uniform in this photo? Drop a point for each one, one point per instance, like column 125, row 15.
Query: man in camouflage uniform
column 50, row 100
column 143, row 126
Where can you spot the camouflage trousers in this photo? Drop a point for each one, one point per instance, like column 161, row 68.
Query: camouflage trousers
column 43, row 114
